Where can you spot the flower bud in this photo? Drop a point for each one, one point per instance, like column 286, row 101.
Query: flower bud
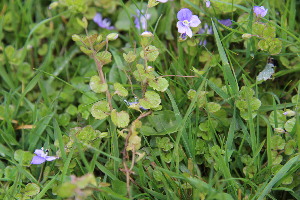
column 84, row 22
column 289, row 113
column 53, row 5
column 99, row 38
column 246, row 36
column 152, row 3
column 279, row 130
column 112, row 36
column 147, row 34
column 76, row 38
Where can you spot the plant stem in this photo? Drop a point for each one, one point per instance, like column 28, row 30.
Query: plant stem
column 102, row 78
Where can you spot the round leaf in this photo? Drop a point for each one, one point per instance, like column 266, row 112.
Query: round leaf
column 120, row 119
column 96, row 85
column 100, row 110
column 31, row 189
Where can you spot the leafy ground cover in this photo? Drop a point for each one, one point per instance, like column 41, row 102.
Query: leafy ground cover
column 158, row 99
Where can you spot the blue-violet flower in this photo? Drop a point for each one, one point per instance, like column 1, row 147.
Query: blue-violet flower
column 103, row 23
column 141, row 19
column 205, row 30
column 41, row 157
column 207, row 3
column 260, row 11
column 187, row 20
column 225, row 22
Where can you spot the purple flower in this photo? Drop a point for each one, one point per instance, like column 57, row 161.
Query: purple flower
column 140, row 19
column 260, row 11
column 225, row 22
column 205, row 30
column 41, row 157
column 133, row 104
column 103, row 23
column 207, row 3
column 183, row 36
column 187, row 20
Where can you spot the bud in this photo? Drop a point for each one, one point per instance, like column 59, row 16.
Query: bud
column 246, row 36
column 99, row 38
column 150, row 69
column 147, row 34
column 112, row 36
column 279, row 130
column 289, row 113
column 152, row 3
column 76, row 38
column 53, row 5
column 84, row 22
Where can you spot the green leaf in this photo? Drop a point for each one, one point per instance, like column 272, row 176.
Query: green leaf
column 160, row 123
column 164, row 143
column 97, row 86
column 213, row 107
column 275, row 46
column 120, row 90
column 269, row 31
column 151, row 100
column 23, row 157
column 258, row 28
column 263, row 45
column 104, row 57
column 290, row 147
column 31, row 189
column 150, row 53
column 277, row 142
column 130, row 57
column 281, row 119
column 159, row 84
column 120, row 119
column 246, row 92
column 66, row 190
column 100, row 110
column 290, row 124
column 119, row 187
column 158, row 175
column 142, row 75
column 86, row 134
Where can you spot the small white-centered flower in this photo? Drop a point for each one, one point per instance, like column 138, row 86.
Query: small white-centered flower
column 42, row 156
column 187, row 20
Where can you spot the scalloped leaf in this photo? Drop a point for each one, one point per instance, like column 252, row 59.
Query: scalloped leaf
column 100, row 110
column 97, row 86
column 120, row 119
column 151, row 100
column 150, row 53
column 120, row 90
column 159, row 84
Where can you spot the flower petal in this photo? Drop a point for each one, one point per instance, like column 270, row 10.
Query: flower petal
column 225, row 22
column 51, row 158
column 39, row 152
column 36, row 160
column 189, row 32
column 195, row 21
column 98, row 18
column 184, row 14
column 181, row 27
